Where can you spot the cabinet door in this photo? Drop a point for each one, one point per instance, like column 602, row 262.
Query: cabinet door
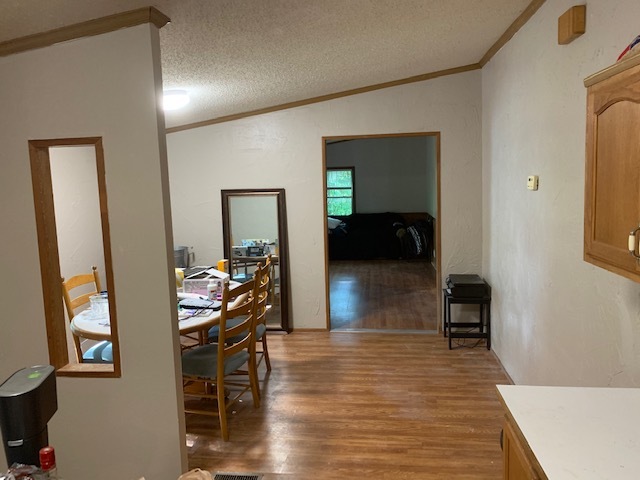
column 517, row 464
column 612, row 190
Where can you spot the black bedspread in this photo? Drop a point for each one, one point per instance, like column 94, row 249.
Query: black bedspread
column 366, row 236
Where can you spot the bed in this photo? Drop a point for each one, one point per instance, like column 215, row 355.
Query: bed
column 388, row 235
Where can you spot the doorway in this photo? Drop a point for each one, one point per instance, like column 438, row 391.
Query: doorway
column 382, row 241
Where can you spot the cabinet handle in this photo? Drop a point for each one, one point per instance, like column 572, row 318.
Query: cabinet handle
column 632, row 242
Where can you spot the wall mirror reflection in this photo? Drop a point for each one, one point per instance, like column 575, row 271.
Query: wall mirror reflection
column 75, row 256
column 254, row 228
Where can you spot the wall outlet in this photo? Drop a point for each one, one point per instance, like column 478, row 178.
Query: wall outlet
column 532, row 182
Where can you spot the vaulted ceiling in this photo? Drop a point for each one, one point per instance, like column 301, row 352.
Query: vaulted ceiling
column 236, row 56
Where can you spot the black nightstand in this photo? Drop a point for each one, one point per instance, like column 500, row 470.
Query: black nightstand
column 483, row 325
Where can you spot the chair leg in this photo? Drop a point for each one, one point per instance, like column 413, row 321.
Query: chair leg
column 265, row 352
column 76, row 342
column 253, row 381
column 253, row 373
column 222, row 411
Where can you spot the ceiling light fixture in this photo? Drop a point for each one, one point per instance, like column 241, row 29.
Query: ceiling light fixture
column 175, row 99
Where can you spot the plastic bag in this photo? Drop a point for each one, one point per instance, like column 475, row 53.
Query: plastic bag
column 20, row 471
column 196, row 474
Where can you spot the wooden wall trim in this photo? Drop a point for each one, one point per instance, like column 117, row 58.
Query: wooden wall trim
column 436, row 233
column 324, row 98
column 48, row 254
column 89, row 28
column 519, row 22
column 55, row 322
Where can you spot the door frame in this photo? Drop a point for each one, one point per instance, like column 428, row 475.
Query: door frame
column 438, row 222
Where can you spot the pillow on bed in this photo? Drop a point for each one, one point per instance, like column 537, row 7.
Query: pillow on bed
column 333, row 223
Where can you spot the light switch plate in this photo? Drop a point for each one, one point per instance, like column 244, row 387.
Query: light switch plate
column 532, row 182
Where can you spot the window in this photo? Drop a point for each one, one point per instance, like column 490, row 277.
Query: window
column 340, row 191
column 72, row 219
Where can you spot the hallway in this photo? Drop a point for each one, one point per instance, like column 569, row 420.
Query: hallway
column 383, row 294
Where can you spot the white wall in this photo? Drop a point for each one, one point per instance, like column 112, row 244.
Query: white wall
column 106, row 86
column 556, row 318
column 391, row 173
column 75, row 197
column 284, row 150
column 74, row 180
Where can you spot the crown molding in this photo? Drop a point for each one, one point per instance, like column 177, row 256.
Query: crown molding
column 519, row 22
column 89, row 28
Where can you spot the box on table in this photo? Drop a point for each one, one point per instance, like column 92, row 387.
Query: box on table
column 465, row 285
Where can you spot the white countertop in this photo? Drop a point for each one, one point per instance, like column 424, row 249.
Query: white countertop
column 579, row 433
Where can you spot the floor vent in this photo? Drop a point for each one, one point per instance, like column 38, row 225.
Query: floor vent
column 237, row 476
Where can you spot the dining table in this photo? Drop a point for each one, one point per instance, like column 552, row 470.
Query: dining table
column 86, row 324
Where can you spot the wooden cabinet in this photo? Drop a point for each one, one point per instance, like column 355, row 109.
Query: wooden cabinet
column 581, row 433
column 612, row 176
column 519, row 461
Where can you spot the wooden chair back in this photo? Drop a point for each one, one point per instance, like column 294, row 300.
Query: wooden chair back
column 261, row 293
column 244, row 331
column 269, row 266
column 77, row 281
column 72, row 303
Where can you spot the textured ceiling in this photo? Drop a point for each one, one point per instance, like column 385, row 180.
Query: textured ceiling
column 235, row 56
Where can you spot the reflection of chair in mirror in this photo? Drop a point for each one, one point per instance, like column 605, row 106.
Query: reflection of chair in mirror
column 239, row 270
column 101, row 352
column 210, row 364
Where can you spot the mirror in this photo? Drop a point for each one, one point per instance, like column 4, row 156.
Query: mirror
column 72, row 219
column 254, row 225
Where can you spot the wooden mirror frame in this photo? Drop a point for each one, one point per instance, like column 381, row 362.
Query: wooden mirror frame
column 283, row 246
column 50, row 258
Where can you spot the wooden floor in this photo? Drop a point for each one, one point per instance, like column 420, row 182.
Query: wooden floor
column 363, row 405
column 382, row 294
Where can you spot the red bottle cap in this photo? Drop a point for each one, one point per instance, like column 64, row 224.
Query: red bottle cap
column 47, row 458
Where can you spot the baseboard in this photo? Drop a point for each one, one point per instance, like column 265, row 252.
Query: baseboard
column 307, row 330
column 495, row 355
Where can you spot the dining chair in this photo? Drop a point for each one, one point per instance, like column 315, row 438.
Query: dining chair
column 211, row 364
column 262, row 273
column 101, row 352
column 264, row 287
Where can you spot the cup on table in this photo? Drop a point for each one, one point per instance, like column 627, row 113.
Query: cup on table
column 99, row 305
